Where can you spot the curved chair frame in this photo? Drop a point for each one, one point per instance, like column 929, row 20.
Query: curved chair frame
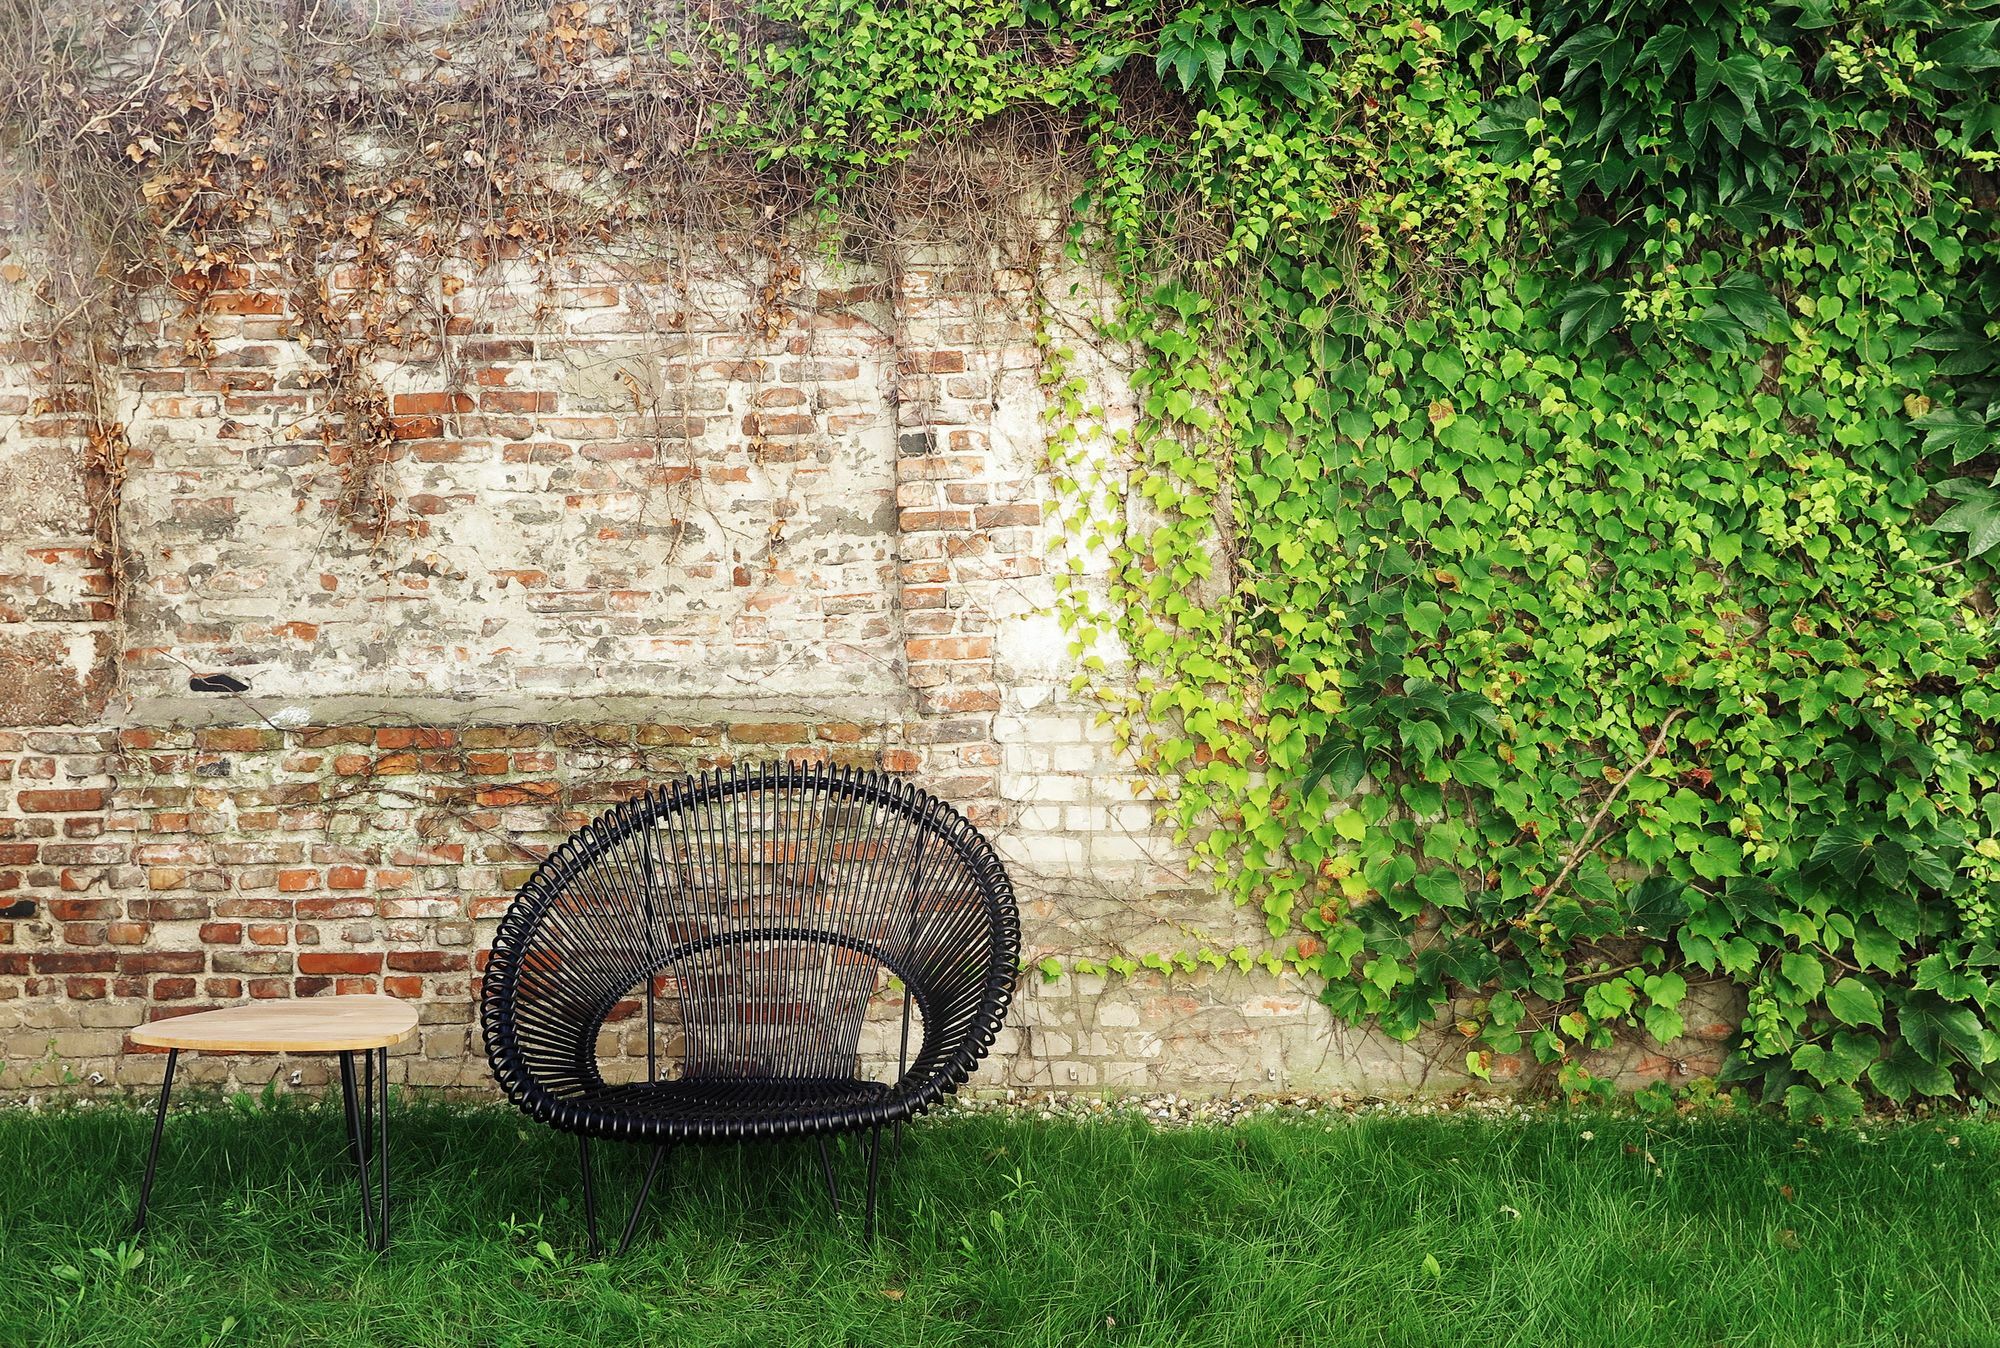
column 765, row 899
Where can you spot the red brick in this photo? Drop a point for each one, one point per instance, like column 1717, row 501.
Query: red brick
column 518, row 793
column 340, row 962
column 1005, row 516
column 779, row 423
column 415, row 428
column 773, row 732
column 221, row 933
column 949, row 648
column 410, row 987
column 265, row 303
column 419, row 404
column 82, row 910
column 426, row 961
column 501, row 737
column 162, row 962
column 76, row 800
column 414, row 737
column 76, row 962
column 928, row 521
column 516, row 400
column 173, row 989
column 346, row 877
column 236, row 740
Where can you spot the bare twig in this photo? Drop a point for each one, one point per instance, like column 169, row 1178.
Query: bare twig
column 1587, row 844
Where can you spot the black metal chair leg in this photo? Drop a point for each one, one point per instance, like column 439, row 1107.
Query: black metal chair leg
column 153, row 1154
column 826, row 1168
column 382, row 1154
column 589, row 1195
column 874, row 1172
column 356, row 1148
column 639, row 1206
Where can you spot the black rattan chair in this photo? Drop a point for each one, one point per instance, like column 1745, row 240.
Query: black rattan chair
column 751, row 915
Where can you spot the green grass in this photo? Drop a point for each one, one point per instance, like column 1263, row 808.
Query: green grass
column 1545, row 1231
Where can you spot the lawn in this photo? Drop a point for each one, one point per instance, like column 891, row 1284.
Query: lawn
column 1546, row 1230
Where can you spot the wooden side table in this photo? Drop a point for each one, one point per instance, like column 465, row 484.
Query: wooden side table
column 364, row 1024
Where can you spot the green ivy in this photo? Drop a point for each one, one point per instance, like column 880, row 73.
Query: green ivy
column 1597, row 409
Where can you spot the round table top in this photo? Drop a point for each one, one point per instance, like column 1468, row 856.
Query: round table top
column 309, row 1025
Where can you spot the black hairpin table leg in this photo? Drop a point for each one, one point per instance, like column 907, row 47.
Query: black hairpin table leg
column 382, row 1151
column 359, row 1148
column 153, row 1154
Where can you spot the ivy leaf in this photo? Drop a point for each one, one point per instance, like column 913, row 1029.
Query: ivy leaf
column 1593, row 244
column 1967, row 349
column 1839, row 1103
column 1805, row 973
column 1966, row 433
column 1937, row 974
column 1748, row 213
column 1591, row 309
column 1610, row 999
column 1977, row 514
column 1423, row 739
column 1963, row 50
column 1342, row 763
column 1476, row 770
column 1505, row 127
column 1666, row 49
column 1841, row 1060
column 1903, row 1074
column 1854, row 1001
column 1658, row 904
column 1667, row 989
column 1929, row 1024
column 1840, row 854
column 1597, row 45
column 1442, row 888
column 1715, row 330
column 1665, row 1024
column 1743, row 75
column 1748, row 302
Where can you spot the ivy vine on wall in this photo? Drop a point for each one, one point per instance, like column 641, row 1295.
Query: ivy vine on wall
column 1598, row 403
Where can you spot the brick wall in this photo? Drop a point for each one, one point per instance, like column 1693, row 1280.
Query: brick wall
column 640, row 521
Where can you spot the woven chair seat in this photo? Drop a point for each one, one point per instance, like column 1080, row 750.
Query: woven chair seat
column 694, row 1111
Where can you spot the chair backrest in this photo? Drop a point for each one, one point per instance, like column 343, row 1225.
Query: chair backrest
column 765, row 903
